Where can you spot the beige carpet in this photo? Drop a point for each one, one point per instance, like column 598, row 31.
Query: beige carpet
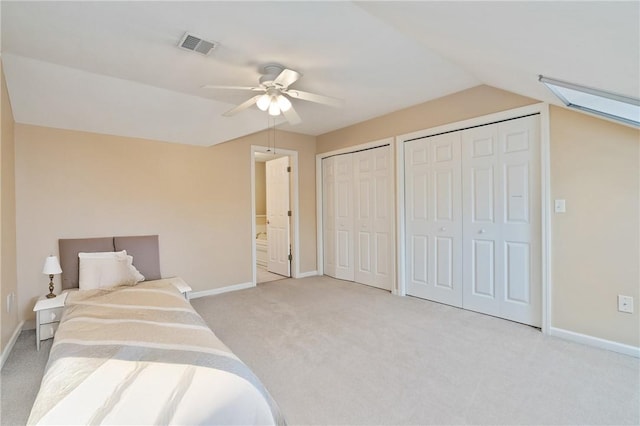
column 333, row 352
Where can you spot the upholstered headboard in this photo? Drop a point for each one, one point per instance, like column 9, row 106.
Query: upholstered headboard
column 144, row 249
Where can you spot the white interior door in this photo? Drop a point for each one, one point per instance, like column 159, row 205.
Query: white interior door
column 278, row 231
column 433, row 218
column 373, row 220
column 343, row 197
column 501, row 240
column 329, row 215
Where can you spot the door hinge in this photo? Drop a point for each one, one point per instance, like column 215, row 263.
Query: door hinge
column 289, row 213
column 288, row 169
column 290, row 257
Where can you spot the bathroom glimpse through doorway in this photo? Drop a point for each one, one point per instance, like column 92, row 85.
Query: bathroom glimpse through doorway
column 274, row 208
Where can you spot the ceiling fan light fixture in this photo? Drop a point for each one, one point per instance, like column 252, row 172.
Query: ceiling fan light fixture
column 284, row 103
column 263, row 102
column 274, row 109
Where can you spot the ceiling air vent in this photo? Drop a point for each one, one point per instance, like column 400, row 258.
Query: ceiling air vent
column 196, row 44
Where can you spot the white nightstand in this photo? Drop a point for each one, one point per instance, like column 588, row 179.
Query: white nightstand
column 48, row 313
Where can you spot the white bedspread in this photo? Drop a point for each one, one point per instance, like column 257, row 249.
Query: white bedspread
column 142, row 355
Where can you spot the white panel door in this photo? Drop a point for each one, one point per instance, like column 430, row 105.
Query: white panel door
column 501, row 202
column 329, row 215
column 481, row 219
column 433, row 221
column 344, row 217
column 519, row 142
column 278, row 235
column 373, row 217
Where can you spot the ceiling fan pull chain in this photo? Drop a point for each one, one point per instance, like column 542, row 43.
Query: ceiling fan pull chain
column 268, row 137
column 274, row 135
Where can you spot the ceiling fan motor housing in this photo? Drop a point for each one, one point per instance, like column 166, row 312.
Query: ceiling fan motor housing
column 269, row 73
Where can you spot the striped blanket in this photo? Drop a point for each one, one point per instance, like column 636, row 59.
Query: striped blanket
column 142, row 355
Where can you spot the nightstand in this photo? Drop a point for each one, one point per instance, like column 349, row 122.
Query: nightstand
column 48, row 313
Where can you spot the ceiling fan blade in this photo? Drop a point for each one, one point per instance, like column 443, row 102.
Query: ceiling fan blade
column 292, row 116
column 255, row 89
column 312, row 97
column 286, row 78
column 246, row 104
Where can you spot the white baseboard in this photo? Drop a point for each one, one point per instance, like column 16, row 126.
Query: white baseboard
column 307, row 274
column 7, row 350
column 214, row 291
column 595, row 341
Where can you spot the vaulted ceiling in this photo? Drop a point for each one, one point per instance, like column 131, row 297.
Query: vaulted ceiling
column 115, row 68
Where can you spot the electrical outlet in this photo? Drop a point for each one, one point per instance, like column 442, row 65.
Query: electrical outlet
column 625, row 304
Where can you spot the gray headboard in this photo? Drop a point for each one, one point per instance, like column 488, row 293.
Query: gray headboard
column 143, row 248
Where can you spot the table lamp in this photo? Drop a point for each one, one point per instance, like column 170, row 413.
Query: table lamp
column 51, row 268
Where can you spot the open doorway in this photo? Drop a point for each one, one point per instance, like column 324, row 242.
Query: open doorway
column 274, row 206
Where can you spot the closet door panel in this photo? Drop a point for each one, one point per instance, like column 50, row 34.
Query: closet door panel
column 520, row 161
column 329, row 216
column 434, row 227
column 481, row 219
column 418, row 219
column 501, row 199
column 344, row 217
column 372, row 176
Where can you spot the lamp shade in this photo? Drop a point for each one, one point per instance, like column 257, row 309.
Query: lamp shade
column 51, row 266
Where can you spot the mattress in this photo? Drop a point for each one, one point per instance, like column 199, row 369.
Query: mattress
column 142, row 355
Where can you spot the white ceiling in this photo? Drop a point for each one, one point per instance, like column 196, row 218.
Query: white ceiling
column 113, row 67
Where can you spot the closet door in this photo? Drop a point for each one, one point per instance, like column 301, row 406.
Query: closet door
column 344, row 219
column 329, row 215
column 501, row 200
column 373, row 213
column 433, row 218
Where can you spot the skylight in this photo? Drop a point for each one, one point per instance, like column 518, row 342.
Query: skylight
column 606, row 104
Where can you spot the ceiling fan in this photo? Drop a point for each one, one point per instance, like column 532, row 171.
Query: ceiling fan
column 274, row 85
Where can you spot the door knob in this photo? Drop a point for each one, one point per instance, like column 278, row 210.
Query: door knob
column 443, row 229
column 481, row 231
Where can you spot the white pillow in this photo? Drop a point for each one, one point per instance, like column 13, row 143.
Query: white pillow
column 107, row 269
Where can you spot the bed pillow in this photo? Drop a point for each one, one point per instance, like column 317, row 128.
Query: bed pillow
column 107, row 269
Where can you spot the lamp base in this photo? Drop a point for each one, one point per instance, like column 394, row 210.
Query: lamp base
column 50, row 295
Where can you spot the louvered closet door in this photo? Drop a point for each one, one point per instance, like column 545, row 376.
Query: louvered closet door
column 501, row 200
column 329, row 216
column 372, row 211
column 433, row 218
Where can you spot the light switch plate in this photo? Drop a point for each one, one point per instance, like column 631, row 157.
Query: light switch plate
column 560, row 206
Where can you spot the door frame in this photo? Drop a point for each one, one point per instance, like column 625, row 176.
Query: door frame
column 319, row 197
column 295, row 206
column 545, row 193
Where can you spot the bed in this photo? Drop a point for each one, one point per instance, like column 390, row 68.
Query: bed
column 140, row 354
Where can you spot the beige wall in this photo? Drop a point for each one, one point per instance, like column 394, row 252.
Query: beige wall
column 8, row 281
column 595, row 166
column 198, row 200
column 470, row 103
column 261, row 188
